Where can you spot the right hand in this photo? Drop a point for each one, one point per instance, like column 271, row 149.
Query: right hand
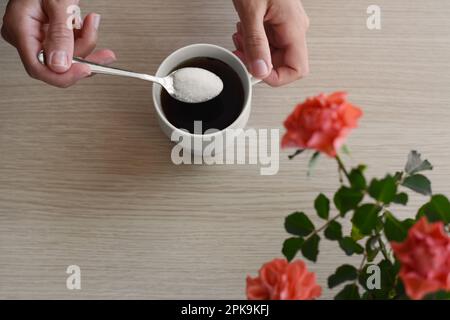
column 35, row 25
column 271, row 39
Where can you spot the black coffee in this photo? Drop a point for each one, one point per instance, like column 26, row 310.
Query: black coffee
column 218, row 113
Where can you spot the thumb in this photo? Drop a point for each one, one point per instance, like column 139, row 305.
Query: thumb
column 256, row 46
column 59, row 42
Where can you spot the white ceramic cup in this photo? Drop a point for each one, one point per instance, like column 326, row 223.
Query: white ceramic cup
column 197, row 142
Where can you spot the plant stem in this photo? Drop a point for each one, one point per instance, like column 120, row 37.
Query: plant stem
column 296, row 153
column 361, row 266
column 383, row 248
column 342, row 167
column 341, row 179
column 362, row 262
column 323, row 227
column 378, row 234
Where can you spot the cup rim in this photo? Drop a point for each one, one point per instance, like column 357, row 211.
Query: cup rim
column 246, row 100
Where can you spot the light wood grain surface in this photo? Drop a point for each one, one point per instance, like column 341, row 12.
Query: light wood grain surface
column 86, row 176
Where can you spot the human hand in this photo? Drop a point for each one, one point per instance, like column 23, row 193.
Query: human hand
column 271, row 39
column 35, row 25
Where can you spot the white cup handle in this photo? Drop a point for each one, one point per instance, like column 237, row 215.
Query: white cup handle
column 254, row 81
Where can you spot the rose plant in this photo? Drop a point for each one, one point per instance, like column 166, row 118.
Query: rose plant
column 411, row 255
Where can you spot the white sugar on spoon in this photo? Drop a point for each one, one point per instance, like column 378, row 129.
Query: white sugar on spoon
column 194, row 85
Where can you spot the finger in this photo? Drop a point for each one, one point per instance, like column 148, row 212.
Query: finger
column 240, row 55
column 59, row 43
column 256, row 44
column 290, row 63
column 87, row 40
column 237, row 40
column 239, row 28
column 281, row 76
column 103, row 56
column 5, row 34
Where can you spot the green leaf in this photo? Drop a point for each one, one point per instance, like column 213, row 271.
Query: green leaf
column 418, row 183
column 437, row 209
column 380, row 224
column 440, row 295
column 400, row 293
column 356, row 234
column 346, row 199
column 322, row 206
column 398, row 175
column 333, row 231
column 416, row 164
column 401, row 198
column 291, row 246
column 372, row 249
column 312, row 162
column 396, row 266
column 408, row 223
column 394, row 229
column 350, row 292
column 357, row 180
column 310, row 248
column 362, row 167
column 383, row 190
column 342, row 274
column 298, row 224
column 365, row 218
column 350, row 246
column 388, row 274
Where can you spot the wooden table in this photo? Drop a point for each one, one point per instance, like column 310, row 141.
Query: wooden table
column 86, row 176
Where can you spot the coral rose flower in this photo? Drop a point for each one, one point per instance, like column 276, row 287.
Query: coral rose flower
column 321, row 123
column 425, row 259
column 280, row 280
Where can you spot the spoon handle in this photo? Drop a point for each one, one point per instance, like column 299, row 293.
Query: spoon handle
column 101, row 69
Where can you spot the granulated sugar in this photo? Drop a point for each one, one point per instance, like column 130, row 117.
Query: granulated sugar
column 195, row 85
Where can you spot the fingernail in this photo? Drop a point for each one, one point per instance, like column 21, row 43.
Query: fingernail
column 59, row 59
column 109, row 60
column 97, row 19
column 259, row 68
